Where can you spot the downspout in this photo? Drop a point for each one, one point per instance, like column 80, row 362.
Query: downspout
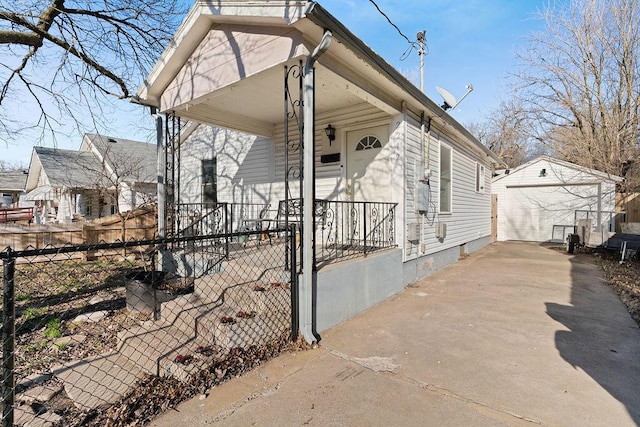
column 308, row 273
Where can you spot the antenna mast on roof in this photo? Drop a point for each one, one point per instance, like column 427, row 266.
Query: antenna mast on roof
column 420, row 37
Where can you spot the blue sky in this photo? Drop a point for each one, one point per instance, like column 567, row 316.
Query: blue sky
column 468, row 41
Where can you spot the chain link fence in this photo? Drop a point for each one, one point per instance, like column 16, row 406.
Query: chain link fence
column 113, row 334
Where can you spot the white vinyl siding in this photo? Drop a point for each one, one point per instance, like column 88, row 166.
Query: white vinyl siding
column 244, row 165
column 251, row 169
column 470, row 218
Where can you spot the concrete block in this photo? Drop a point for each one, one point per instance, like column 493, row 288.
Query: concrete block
column 243, row 333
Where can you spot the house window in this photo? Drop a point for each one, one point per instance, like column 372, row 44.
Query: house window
column 479, row 178
column 445, row 179
column 88, row 209
column 368, row 143
column 209, row 185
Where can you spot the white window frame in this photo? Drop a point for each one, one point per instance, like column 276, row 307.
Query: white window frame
column 450, row 180
column 480, row 178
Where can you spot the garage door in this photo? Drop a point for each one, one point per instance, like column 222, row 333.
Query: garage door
column 531, row 212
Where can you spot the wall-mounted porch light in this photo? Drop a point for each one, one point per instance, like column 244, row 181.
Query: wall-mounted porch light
column 331, row 133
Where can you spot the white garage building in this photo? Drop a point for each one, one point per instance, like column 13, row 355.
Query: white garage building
column 540, row 200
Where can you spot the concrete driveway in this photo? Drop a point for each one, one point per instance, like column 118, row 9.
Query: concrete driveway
column 516, row 334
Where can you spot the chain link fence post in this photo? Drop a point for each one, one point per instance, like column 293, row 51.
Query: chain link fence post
column 8, row 339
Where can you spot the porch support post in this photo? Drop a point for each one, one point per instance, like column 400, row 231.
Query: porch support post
column 160, row 173
column 308, row 273
column 160, row 189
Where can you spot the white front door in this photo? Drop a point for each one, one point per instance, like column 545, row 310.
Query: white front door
column 368, row 174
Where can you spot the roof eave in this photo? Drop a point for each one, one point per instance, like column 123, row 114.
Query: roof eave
column 319, row 16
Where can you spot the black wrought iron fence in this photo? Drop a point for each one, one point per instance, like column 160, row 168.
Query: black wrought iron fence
column 351, row 229
column 134, row 327
column 196, row 219
column 201, row 219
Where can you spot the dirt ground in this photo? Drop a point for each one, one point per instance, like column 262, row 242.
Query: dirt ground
column 624, row 278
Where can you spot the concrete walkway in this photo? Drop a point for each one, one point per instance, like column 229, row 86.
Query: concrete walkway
column 517, row 334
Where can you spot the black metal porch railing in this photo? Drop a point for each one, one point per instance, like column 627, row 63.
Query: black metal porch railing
column 201, row 219
column 343, row 229
column 351, row 229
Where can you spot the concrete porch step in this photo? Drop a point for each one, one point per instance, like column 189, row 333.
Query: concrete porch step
column 99, row 380
column 145, row 346
column 184, row 341
column 212, row 286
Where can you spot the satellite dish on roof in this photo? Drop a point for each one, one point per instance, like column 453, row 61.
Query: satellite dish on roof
column 450, row 100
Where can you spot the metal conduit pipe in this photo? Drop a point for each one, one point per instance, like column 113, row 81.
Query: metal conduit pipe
column 306, row 285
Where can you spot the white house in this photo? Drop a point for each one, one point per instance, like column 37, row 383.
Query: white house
column 543, row 199
column 236, row 68
column 69, row 184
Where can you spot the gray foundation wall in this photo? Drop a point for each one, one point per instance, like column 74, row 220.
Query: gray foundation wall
column 348, row 288
column 351, row 287
column 476, row 245
column 425, row 266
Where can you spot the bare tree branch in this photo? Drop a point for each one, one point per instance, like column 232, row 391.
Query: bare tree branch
column 579, row 84
column 62, row 53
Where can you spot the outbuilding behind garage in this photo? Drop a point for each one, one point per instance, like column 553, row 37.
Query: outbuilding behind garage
column 538, row 200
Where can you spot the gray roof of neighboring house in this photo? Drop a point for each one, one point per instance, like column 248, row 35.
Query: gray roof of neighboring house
column 11, row 181
column 132, row 161
column 70, row 168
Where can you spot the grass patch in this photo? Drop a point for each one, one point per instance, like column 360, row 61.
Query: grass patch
column 32, row 313
column 52, row 330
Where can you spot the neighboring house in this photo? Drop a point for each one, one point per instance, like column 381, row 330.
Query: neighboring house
column 12, row 185
column 543, row 199
column 106, row 176
column 131, row 164
column 229, row 68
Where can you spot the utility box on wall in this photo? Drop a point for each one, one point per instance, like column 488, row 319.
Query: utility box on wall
column 422, row 196
column 441, row 230
column 413, row 232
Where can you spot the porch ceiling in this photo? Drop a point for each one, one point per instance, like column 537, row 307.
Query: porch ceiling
column 256, row 104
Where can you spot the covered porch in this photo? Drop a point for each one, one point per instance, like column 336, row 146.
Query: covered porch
column 329, row 117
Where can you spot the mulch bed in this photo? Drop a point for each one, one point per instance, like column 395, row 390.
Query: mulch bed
column 624, row 278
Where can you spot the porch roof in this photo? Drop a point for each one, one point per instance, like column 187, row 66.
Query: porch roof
column 12, row 181
column 240, row 86
column 43, row 192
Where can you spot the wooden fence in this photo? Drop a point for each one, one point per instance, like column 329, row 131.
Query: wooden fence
column 140, row 224
column 629, row 203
